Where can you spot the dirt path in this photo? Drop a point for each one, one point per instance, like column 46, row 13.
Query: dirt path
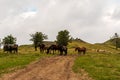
column 52, row 68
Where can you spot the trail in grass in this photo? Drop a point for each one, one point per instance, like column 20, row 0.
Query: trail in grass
column 51, row 68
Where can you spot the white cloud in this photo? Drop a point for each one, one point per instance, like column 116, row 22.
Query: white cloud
column 91, row 20
column 30, row 14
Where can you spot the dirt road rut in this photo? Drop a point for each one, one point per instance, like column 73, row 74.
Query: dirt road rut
column 52, row 68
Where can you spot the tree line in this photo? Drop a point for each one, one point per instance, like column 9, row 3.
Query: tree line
column 62, row 38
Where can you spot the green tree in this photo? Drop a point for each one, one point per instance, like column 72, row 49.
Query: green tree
column 116, row 40
column 38, row 38
column 63, row 37
column 9, row 40
column 0, row 43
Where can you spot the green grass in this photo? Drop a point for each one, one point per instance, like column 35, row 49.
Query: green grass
column 99, row 66
column 11, row 62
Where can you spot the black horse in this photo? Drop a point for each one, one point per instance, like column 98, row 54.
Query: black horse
column 52, row 48
column 42, row 47
column 63, row 49
column 60, row 48
column 10, row 48
column 80, row 50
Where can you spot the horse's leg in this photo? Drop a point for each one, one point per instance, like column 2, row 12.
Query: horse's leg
column 35, row 48
column 61, row 52
column 17, row 50
column 53, row 51
column 50, row 51
column 79, row 52
column 65, row 52
column 43, row 50
column 10, row 51
column 14, row 51
column 47, row 51
column 84, row 52
column 40, row 50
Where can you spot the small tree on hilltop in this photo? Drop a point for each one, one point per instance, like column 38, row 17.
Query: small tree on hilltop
column 9, row 40
column 38, row 38
column 63, row 37
column 116, row 40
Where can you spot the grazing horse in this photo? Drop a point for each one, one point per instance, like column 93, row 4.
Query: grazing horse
column 53, row 48
column 41, row 47
column 10, row 48
column 62, row 49
column 82, row 49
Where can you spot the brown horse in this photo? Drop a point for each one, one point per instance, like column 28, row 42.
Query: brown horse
column 80, row 50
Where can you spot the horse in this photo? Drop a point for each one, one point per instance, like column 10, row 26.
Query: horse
column 10, row 48
column 41, row 47
column 53, row 48
column 63, row 49
column 80, row 50
column 60, row 48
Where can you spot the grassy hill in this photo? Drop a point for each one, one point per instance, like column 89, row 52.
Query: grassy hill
column 99, row 65
column 107, row 46
column 112, row 41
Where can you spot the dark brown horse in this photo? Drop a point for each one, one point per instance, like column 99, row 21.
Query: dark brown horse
column 52, row 48
column 80, row 50
column 41, row 47
column 59, row 48
column 10, row 48
column 63, row 49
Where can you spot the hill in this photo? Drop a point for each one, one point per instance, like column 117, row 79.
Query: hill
column 111, row 41
column 95, row 64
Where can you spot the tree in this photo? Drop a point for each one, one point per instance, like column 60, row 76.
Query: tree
column 0, row 43
column 63, row 37
column 116, row 40
column 9, row 40
column 38, row 38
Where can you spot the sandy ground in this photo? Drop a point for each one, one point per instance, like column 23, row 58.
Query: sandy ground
column 52, row 68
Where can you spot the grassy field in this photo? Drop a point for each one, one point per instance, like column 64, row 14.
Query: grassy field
column 11, row 62
column 99, row 65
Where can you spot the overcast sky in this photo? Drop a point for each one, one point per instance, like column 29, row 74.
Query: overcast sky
column 93, row 21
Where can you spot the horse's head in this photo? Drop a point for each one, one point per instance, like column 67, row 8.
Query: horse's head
column 77, row 48
column 64, row 48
